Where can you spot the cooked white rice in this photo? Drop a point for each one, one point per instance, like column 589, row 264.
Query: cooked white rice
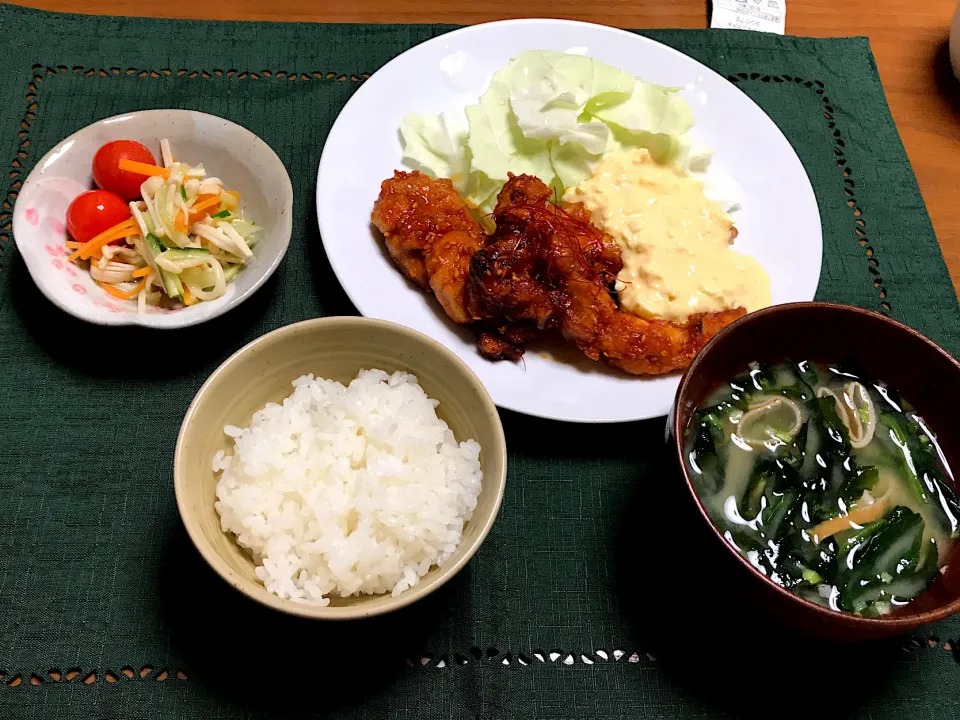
column 347, row 490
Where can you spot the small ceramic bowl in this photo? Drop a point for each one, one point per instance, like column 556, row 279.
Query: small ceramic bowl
column 918, row 369
column 242, row 160
column 335, row 348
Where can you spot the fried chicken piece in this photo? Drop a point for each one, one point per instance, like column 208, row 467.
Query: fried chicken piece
column 448, row 266
column 521, row 194
column 546, row 265
column 431, row 236
column 495, row 347
column 506, row 341
column 510, row 277
column 599, row 248
column 593, row 321
column 508, row 281
column 669, row 346
column 638, row 346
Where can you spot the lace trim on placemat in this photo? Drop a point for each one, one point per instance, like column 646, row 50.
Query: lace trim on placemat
column 493, row 656
column 16, row 165
column 859, row 223
column 40, row 72
column 89, row 677
column 475, row 656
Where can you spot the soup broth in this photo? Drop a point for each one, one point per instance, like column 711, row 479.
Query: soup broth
column 827, row 482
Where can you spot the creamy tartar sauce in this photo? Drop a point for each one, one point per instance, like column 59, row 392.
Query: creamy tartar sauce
column 675, row 242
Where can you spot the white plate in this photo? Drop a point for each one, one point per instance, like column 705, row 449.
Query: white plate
column 233, row 153
column 779, row 223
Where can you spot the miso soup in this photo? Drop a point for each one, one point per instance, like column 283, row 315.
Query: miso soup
column 828, row 482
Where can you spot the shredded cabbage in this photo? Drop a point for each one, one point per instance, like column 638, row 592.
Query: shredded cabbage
column 552, row 115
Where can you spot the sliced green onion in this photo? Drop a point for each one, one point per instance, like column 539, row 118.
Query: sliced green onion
column 221, row 214
column 183, row 192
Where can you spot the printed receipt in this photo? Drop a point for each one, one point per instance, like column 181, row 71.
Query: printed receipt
column 760, row 15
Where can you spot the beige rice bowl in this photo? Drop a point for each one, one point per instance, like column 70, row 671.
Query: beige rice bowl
column 347, row 490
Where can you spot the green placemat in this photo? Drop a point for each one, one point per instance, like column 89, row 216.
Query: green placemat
column 585, row 601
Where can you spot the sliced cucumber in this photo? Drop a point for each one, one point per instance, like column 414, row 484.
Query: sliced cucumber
column 147, row 220
column 156, row 247
column 171, row 283
column 181, row 254
column 229, row 271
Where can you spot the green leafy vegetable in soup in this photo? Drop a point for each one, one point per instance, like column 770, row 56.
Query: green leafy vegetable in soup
column 827, row 482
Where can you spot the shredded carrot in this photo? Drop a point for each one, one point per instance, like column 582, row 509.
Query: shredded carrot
column 142, row 272
column 201, row 209
column 87, row 251
column 188, row 298
column 142, row 168
column 179, row 224
column 73, row 244
column 857, row 516
column 120, row 293
column 120, row 230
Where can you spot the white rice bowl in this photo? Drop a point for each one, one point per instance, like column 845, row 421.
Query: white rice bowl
column 347, row 490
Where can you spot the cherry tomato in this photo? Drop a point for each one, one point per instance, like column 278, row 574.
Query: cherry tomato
column 108, row 176
column 93, row 212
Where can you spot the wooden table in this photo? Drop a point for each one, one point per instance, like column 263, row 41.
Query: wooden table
column 908, row 39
